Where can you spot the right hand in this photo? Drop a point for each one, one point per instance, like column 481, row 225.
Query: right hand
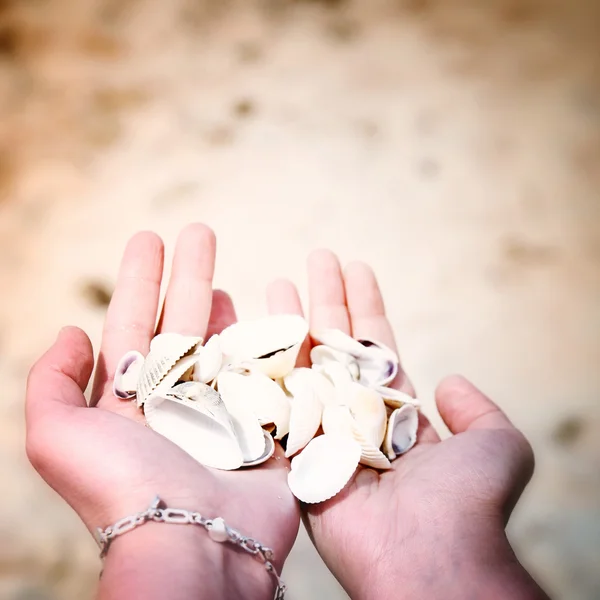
column 433, row 525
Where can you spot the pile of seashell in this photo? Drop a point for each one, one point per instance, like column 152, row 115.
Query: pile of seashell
column 225, row 402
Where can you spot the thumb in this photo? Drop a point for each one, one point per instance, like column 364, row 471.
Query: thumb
column 61, row 375
column 462, row 406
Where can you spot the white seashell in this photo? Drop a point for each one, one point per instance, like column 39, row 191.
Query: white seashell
column 185, row 423
column 127, row 375
column 367, row 408
column 377, row 364
column 401, row 433
column 324, row 355
column 270, row 344
column 338, row 421
column 268, row 452
column 176, row 373
column 210, row 360
column 165, row 350
column 257, row 393
column 248, row 432
column 208, row 401
column 335, row 372
column 166, row 343
column 321, row 384
column 395, row 398
column 306, row 411
column 323, row 468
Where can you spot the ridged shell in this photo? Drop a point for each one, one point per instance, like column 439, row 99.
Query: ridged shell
column 210, row 359
column 268, row 452
column 165, row 350
column 338, row 421
column 395, row 398
column 270, row 345
column 265, row 398
column 127, row 375
column 306, row 411
column 401, row 434
column 367, row 408
column 184, row 423
column 178, row 371
column 323, row 468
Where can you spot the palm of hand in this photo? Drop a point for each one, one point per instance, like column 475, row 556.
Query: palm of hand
column 103, row 460
column 380, row 520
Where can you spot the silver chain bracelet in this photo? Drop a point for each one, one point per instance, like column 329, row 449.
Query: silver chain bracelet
column 217, row 529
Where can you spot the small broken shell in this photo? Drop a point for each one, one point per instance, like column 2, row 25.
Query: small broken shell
column 270, row 345
column 324, row 356
column 210, row 360
column 377, row 364
column 323, row 468
column 367, row 408
column 401, row 433
column 337, row 420
column 165, row 350
column 257, row 393
column 306, row 411
column 186, row 423
column 268, row 452
column 395, row 398
column 127, row 375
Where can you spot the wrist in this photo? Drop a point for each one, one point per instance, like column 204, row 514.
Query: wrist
column 453, row 562
column 161, row 560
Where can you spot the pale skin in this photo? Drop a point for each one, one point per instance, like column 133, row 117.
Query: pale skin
column 431, row 527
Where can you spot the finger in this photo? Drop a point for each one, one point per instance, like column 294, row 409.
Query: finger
column 131, row 316
column 327, row 297
column 222, row 313
column 189, row 294
column 61, row 375
column 462, row 406
column 365, row 305
column 368, row 320
column 283, row 298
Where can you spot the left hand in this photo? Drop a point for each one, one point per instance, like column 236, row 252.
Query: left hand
column 102, row 459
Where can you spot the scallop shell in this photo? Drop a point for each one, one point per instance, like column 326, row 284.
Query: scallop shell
column 268, row 452
column 367, row 408
column 323, row 468
column 186, row 423
column 306, row 411
column 165, row 350
column 338, row 421
column 261, row 395
column 401, row 433
column 209, row 361
column 270, row 345
column 378, row 364
column 395, row 398
column 127, row 375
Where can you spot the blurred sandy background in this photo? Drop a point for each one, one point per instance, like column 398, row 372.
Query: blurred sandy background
column 454, row 145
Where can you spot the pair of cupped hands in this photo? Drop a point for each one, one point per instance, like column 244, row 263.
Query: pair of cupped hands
column 431, row 525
